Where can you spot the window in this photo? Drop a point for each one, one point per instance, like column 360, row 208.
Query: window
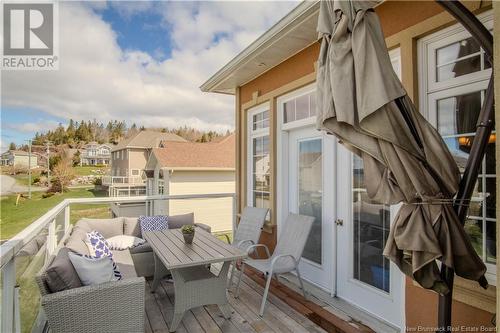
column 135, row 172
column 300, row 107
column 259, row 171
column 454, row 77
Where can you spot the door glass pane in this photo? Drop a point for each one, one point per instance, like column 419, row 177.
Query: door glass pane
column 311, row 194
column 371, row 223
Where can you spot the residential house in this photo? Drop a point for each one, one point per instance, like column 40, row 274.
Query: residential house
column 186, row 168
column 284, row 163
column 94, row 153
column 128, row 159
column 19, row 158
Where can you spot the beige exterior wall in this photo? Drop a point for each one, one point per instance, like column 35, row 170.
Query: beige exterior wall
column 21, row 160
column 216, row 212
column 129, row 158
column 472, row 306
column 137, row 159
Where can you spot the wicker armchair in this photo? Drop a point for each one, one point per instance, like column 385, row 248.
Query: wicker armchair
column 116, row 306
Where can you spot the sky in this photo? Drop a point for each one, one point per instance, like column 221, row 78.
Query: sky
column 137, row 61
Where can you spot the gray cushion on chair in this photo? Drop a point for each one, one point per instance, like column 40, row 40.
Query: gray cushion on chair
column 141, row 248
column 61, row 275
column 177, row 221
column 106, row 227
column 132, row 227
column 76, row 241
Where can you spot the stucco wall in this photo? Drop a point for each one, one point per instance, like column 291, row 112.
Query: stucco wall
column 216, row 212
column 399, row 20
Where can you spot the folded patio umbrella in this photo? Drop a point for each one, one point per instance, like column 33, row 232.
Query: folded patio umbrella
column 363, row 103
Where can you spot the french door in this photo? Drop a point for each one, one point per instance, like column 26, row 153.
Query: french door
column 310, row 191
column 364, row 276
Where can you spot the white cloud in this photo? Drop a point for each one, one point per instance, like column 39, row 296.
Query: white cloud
column 97, row 79
column 39, row 126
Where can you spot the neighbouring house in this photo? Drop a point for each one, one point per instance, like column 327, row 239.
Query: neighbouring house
column 185, row 168
column 19, row 158
column 285, row 164
column 128, row 159
column 94, row 153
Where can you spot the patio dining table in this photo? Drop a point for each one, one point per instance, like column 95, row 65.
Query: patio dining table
column 194, row 283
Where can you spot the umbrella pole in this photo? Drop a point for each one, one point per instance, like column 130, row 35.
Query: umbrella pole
column 478, row 149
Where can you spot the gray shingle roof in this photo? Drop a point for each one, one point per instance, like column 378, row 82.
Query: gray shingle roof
column 147, row 139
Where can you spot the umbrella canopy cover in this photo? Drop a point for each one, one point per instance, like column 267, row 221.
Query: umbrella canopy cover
column 363, row 103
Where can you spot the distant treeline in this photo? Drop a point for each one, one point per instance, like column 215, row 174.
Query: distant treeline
column 82, row 132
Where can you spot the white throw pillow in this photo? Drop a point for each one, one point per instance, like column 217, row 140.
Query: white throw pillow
column 94, row 270
column 122, row 242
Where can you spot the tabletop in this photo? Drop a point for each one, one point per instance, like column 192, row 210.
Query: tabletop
column 170, row 247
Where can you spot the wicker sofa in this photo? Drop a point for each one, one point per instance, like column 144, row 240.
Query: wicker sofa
column 116, row 306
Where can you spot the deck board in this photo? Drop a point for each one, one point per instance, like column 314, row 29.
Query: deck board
column 279, row 317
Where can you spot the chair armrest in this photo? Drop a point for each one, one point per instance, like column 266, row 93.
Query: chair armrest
column 111, row 306
column 281, row 256
column 252, row 248
column 241, row 242
column 205, row 227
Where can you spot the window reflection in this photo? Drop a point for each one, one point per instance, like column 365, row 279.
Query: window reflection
column 371, row 228
column 311, row 194
column 456, row 122
column 460, row 58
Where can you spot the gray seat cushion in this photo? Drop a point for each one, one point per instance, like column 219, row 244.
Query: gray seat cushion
column 123, row 260
column 141, row 248
column 132, row 227
column 106, row 227
column 177, row 221
column 61, row 275
column 76, row 241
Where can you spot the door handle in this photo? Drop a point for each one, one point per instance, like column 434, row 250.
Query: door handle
column 339, row 222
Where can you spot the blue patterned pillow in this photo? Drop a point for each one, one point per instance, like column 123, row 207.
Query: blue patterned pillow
column 153, row 223
column 98, row 246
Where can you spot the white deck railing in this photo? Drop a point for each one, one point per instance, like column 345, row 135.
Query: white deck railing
column 122, row 180
column 10, row 317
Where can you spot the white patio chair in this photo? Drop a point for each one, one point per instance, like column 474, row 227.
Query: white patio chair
column 286, row 255
column 248, row 231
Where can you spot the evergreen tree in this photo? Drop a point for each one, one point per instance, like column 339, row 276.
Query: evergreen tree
column 12, row 146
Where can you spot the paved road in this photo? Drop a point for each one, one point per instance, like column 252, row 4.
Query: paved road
column 8, row 185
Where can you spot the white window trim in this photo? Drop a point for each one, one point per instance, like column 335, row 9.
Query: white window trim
column 291, row 96
column 251, row 134
column 427, row 62
column 431, row 91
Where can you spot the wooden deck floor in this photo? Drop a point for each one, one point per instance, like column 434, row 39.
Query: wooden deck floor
column 279, row 317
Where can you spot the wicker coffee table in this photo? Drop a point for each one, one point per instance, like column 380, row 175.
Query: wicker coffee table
column 194, row 284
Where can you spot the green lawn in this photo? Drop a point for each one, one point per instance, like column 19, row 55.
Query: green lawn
column 14, row 218
column 23, row 179
column 87, row 170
